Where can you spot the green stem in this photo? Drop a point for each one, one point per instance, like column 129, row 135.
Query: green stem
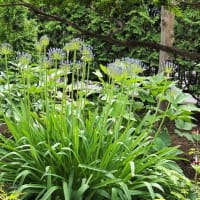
column 162, row 121
column 156, row 113
column 64, row 95
column 83, row 77
column 73, row 75
column 87, row 77
column 46, row 90
column 132, row 101
column 8, row 79
column 74, row 135
column 55, row 79
column 24, row 83
column 28, row 86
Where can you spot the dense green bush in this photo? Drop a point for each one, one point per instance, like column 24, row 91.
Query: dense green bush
column 18, row 27
column 124, row 20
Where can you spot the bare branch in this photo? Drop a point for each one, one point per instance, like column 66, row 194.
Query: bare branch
column 107, row 38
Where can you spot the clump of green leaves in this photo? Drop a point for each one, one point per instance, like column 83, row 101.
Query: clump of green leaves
column 76, row 147
column 70, row 156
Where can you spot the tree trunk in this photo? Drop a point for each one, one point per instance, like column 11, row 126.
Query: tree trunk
column 167, row 35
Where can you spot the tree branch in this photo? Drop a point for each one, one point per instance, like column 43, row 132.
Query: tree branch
column 190, row 4
column 107, row 38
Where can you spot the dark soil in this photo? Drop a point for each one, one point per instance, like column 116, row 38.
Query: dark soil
column 185, row 146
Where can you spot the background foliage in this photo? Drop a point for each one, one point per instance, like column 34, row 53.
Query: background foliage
column 123, row 20
column 18, row 27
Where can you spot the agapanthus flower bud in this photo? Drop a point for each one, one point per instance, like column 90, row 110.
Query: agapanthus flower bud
column 87, row 54
column 44, row 40
column 38, row 46
column 78, row 65
column 6, row 49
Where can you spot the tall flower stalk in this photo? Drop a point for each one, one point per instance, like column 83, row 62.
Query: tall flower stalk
column 24, row 59
column 6, row 50
column 66, row 68
column 87, row 58
column 74, row 46
column 45, row 65
column 56, row 55
column 44, row 42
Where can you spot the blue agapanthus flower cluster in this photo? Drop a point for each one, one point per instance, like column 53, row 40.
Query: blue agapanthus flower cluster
column 23, row 58
column 74, row 45
column 125, row 66
column 62, row 56
column 77, row 44
column 56, row 54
